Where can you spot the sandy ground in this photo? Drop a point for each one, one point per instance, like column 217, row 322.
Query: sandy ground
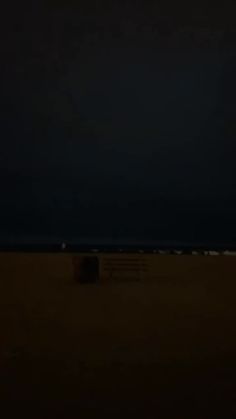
column 163, row 349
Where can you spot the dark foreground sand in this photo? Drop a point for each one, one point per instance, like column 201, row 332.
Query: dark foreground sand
column 163, row 349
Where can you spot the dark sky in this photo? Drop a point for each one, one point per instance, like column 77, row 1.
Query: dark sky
column 118, row 122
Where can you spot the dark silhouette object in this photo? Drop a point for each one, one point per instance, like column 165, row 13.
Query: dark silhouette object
column 86, row 269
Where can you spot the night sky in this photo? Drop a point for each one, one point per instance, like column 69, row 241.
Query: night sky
column 118, row 123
